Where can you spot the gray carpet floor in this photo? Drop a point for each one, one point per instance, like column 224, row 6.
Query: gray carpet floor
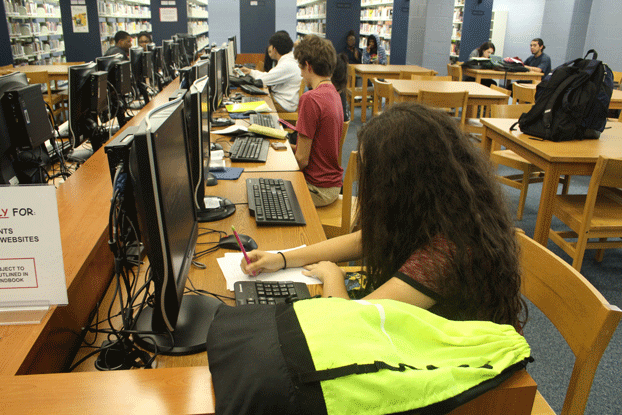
column 553, row 358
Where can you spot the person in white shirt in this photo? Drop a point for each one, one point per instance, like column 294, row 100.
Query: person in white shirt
column 284, row 78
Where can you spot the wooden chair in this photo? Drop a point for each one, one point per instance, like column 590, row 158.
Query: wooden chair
column 595, row 215
column 530, row 173
column 55, row 101
column 293, row 116
column 617, row 79
column 502, row 90
column 353, row 92
column 342, row 139
column 522, row 94
column 430, row 78
column 6, row 67
column 455, row 100
column 384, row 90
column 338, row 218
column 579, row 312
column 409, row 74
column 455, row 71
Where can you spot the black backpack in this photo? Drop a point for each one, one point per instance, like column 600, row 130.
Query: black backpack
column 571, row 102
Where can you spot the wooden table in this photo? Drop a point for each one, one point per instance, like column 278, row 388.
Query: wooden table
column 480, row 74
column 368, row 72
column 569, row 157
column 408, row 90
column 55, row 72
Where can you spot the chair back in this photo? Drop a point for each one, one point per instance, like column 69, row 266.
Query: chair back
column 523, row 94
column 455, row 100
column 382, row 89
column 348, row 206
column 342, row 139
column 509, row 111
column 581, row 314
column 455, row 71
column 502, row 90
column 41, row 77
column 617, row 78
column 430, row 78
column 68, row 63
column 409, row 74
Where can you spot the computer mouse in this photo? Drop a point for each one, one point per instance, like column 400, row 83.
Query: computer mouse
column 249, row 112
column 215, row 146
column 211, row 180
column 229, row 242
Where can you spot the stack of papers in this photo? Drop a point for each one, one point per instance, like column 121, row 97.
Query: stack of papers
column 230, row 266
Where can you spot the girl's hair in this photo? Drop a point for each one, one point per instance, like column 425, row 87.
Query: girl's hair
column 374, row 49
column 340, row 74
column 540, row 42
column 485, row 46
column 351, row 33
column 419, row 178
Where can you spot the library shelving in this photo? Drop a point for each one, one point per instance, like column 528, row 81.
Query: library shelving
column 470, row 27
column 311, row 17
column 456, row 31
column 198, row 21
column 132, row 16
column 35, row 31
column 377, row 18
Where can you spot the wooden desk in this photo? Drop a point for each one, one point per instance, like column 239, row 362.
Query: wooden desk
column 569, row 157
column 480, row 74
column 368, row 72
column 408, row 90
column 56, row 72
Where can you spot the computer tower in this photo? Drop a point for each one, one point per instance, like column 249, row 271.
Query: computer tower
column 26, row 117
column 99, row 91
column 123, row 76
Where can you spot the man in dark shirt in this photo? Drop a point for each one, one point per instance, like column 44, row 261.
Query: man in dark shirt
column 538, row 61
column 122, row 45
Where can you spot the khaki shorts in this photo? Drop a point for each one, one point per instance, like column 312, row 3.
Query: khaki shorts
column 323, row 196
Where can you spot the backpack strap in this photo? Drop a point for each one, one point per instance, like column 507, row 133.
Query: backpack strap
column 547, row 115
column 593, row 52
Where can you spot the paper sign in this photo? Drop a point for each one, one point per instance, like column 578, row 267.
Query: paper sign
column 168, row 14
column 31, row 257
column 79, row 19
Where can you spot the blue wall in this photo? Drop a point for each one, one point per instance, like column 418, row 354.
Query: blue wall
column 224, row 21
column 6, row 55
column 475, row 26
column 166, row 30
column 285, row 11
column 341, row 17
column 257, row 25
column 81, row 46
column 399, row 31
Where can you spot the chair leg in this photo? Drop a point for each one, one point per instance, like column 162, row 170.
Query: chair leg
column 523, row 194
column 566, row 184
column 600, row 252
column 579, row 252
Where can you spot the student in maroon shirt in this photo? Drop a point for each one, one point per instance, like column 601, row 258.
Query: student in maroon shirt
column 320, row 120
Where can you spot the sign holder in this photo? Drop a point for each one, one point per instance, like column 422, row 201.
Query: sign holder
column 30, row 312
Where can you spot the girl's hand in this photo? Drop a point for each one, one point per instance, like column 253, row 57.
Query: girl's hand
column 324, row 270
column 262, row 261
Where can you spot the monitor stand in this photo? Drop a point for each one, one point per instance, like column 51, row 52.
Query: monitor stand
column 193, row 321
column 217, row 208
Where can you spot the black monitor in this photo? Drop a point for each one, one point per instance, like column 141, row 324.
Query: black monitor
column 139, row 72
column 87, row 99
column 7, row 83
column 215, row 78
column 202, row 68
column 119, row 73
column 167, row 220
column 197, row 106
column 224, row 63
column 151, row 46
column 235, row 47
column 167, row 58
column 230, row 54
column 159, row 67
column 188, row 75
column 177, row 54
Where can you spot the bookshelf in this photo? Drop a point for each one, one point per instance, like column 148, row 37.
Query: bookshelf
column 35, row 31
column 198, row 21
column 311, row 18
column 376, row 18
column 456, row 30
column 132, row 16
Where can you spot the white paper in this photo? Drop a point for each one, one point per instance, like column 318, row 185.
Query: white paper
column 31, row 258
column 230, row 266
column 234, row 129
column 79, row 19
column 168, row 14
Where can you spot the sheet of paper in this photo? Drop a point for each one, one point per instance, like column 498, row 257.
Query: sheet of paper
column 230, row 266
column 234, row 129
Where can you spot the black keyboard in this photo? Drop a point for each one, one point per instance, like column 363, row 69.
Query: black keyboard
column 249, row 149
column 269, row 292
column 273, row 202
column 250, row 99
column 264, row 120
column 253, row 90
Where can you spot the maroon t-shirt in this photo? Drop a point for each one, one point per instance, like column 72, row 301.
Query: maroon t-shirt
column 320, row 118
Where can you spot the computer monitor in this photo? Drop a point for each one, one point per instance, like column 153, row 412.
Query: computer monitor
column 189, row 46
column 224, row 62
column 87, row 99
column 230, row 58
column 169, row 63
column 215, row 78
column 159, row 67
column 160, row 177
column 235, row 47
column 139, row 72
column 151, row 46
column 176, row 54
column 119, row 73
column 197, row 106
column 202, row 68
column 8, row 82
column 187, row 75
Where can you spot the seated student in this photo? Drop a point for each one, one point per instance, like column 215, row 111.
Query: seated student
column 320, row 121
column 284, row 78
column 374, row 53
column 144, row 39
column 435, row 231
column 538, row 61
column 122, row 45
column 351, row 50
column 484, row 51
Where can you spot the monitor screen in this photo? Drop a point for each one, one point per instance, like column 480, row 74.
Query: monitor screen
column 167, row 59
column 7, row 83
column 230, row 58
column 235, row 46
column 224, row 63
column 82, row 118
column 118, row 72
column 140, row 70
column 160, row 177
column 202, row 68
column 215, row 78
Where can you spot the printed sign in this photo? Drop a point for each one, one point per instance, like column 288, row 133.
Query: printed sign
column 168, row 14
column 79, row 19
column 31, row 257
